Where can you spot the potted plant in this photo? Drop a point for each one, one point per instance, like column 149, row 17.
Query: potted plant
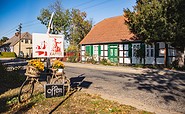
column 34, row 67
column 59, row 66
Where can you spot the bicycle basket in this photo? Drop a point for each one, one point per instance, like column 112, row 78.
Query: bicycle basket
column 32, row 71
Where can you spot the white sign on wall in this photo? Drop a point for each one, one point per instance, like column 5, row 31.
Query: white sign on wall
column 45, row 45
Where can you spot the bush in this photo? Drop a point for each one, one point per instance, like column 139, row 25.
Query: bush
column 106, row 62
column 175, row 65
column 72, row 48
column 10, row 78
column 8, row 54
column 72, row 54
column 2, row 69
column 91, row 60
column 72, row 59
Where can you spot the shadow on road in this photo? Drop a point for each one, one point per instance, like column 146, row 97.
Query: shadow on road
column 78, row 81
column 170, row 84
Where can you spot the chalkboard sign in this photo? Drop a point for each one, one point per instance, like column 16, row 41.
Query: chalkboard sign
column 53, row 90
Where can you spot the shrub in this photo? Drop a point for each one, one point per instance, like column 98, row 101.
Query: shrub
column 105, row 62
column 2, row 69
column 8, row 54
column 10, row 78
column 91, row 60
column 72, row 48
column 175, row 65
column 72, row 59
column 73, row 55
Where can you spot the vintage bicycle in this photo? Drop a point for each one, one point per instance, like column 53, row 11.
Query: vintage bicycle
column 27, row 88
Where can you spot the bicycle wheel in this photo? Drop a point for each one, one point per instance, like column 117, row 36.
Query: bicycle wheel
column 26, row 90
column 59, row 80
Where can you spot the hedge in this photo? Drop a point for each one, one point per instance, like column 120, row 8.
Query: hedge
column 7, row 54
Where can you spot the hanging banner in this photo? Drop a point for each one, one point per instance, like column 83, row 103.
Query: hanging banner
column 47, row 45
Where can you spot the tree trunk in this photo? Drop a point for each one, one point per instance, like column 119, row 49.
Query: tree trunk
column 180, row 57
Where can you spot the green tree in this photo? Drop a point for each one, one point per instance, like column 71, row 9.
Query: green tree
column 72, row 23
column 158, row 20
column 60, row 21
column 79, row 26
column 4, row 39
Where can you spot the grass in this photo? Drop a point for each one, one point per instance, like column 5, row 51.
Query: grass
column 74, row 103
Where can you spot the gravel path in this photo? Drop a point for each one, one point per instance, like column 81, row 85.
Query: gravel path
column 159, row 91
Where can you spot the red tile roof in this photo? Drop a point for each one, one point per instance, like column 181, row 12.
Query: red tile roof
column 108, row 31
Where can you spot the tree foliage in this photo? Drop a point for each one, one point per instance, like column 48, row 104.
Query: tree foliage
column 79, row 26
column 158, row 20
column 72, row 23
column 4, row 39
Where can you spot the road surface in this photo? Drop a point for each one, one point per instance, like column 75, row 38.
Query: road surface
column 159, row 91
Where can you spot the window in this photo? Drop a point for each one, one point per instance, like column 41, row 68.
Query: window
column 26, row 41
column 149, row 51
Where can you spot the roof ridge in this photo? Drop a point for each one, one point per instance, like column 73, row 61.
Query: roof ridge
column 111, row 29
column 14, row 39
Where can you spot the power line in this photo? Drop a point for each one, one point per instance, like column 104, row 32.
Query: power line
column 28, row 25
column 25, row 23
column 96, row 4
column 9, row 31
column 82, row 4
column 14, row 28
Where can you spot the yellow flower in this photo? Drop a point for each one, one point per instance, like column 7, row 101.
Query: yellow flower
column 37, row 64
column 58, row 64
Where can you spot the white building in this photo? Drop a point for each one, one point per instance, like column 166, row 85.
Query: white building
column 111, row 39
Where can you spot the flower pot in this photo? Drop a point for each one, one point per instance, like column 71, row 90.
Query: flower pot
column 60, row 71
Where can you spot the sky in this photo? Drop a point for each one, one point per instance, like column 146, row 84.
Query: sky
column 14, row 12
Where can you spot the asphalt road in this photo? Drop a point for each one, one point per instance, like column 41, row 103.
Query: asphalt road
column 159, row 91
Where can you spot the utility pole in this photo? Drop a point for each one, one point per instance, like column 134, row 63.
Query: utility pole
column 19, row 35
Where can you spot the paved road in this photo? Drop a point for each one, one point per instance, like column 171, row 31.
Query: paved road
column 159, row 91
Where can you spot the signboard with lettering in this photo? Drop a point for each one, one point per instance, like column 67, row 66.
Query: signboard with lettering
column 47, row 45
column 53, row 90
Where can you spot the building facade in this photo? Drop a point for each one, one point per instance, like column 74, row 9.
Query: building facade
column 12, row 45
column 111, row 39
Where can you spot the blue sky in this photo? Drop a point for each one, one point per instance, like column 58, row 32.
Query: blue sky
column 14, row 12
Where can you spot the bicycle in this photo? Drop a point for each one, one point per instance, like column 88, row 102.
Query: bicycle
column 60, row 78
column 27, row 88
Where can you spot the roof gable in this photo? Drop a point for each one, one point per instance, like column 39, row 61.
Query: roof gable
column 108, row 31
column 12, row 41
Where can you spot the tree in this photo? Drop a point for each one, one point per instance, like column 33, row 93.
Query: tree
column 158, row 20
column 61, row 19
column 72, row 23
column 79, row 26
column 4, row 39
